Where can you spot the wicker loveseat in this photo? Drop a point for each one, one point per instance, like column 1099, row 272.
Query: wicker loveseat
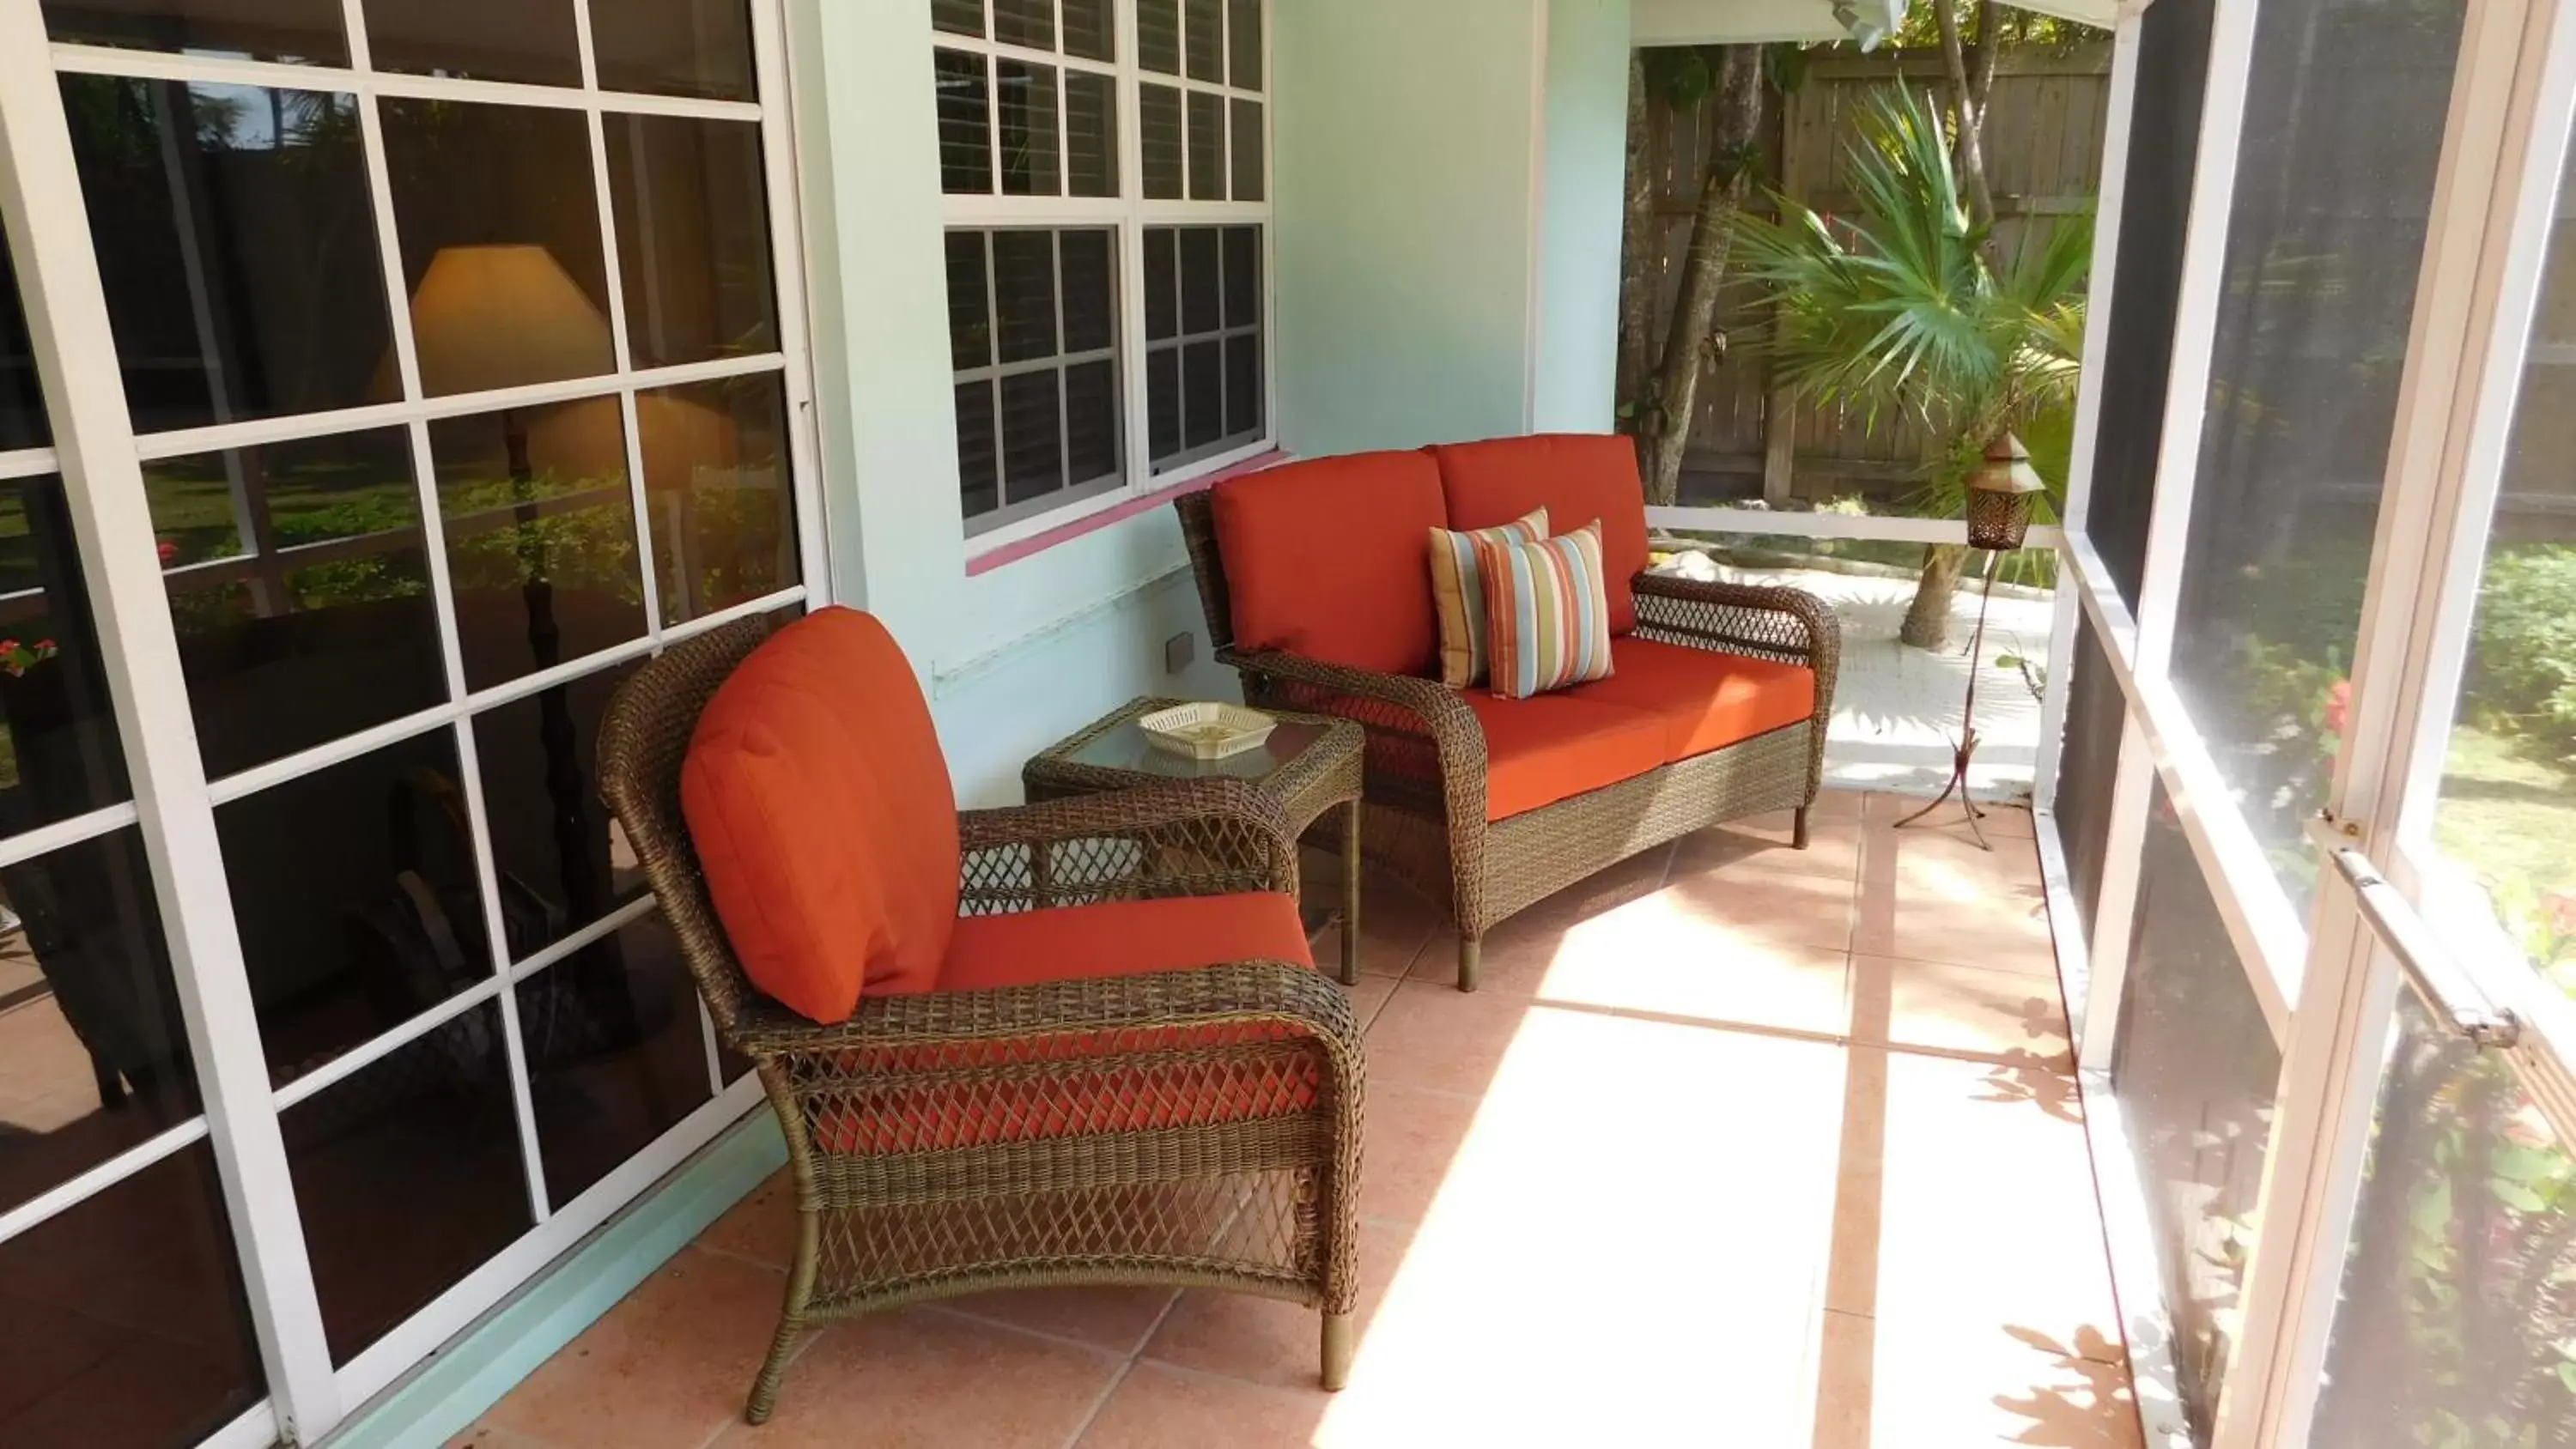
column 1126, row 1070
column 1315, row 580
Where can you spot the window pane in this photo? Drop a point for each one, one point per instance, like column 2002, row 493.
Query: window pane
column 500, row 243
column 237, row 245
column 1206, row 38
column 1024, row 288
column 692, row 238
column 1027, row 104
column 2196, row 1070
column 93, row 1052
column 1201, row 288
column 2455, row 1324
column 979, row 475
column 420, row 1149
column 970, row 320
column 562, row 861
column 1091, row 29
column 1032, row 436
column 965, row 125
column 2087, row 772
column 1202, row 393
column 1158, row 35
column 1243, row 42
column 616, row 1054
column 59, row 753
column 1025, row 22
column 1243, row 276
column 355, row 892
column 22, row 400
column 1090, row 298
column 717, row 481
column 1091, row 421
column 299, row 586
column 288, row 30
column 1090, row 133
column 540, row 535
column 674, row 47
column 1158, row 130
column 1248, row 181
column 1207, row 147
column 128, row 1328
column 957, row 17
column 503, row 40
column 1163, row 403
column 1243, row 385
column 1162, row 284
column 2343, row 131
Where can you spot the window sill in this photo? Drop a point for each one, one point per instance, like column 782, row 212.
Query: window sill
column 1119, row 512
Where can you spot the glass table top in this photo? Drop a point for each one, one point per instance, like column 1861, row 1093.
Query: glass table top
column 1124, row 746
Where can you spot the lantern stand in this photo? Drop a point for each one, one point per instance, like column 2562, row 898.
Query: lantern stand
column 2000, row 494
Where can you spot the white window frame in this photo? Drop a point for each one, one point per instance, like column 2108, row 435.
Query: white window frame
column 1128, row 215
column 100, row 458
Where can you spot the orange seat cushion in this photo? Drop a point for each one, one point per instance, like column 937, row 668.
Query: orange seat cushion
column 1553, row 747
column 935, row 1098
column 1325, row 559
column 1576, row 477
column 824, row 818
column 1705, row 700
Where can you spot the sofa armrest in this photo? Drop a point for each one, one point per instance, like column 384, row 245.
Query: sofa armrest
column 1420, row 731
column 1183, row 838
column 1790, row 625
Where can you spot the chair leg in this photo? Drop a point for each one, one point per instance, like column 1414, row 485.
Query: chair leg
column 1798, row 830
column 791, row 1322
column 1471, row 955
column 1337, row 1351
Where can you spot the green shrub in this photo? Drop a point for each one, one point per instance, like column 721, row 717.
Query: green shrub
column 2523, row 671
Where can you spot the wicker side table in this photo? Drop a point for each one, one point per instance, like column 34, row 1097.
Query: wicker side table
column 1309, row 765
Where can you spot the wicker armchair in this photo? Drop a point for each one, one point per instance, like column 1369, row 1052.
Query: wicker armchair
column 1425, row 817
column 1194, row 1128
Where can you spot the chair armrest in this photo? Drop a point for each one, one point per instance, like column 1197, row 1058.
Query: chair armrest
column 1790, row 625
column 1181, row 838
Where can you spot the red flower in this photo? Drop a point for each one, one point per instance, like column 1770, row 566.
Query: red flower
column 2562, row 912
column 2339, row 707
column 8, row 647
column 169, row 552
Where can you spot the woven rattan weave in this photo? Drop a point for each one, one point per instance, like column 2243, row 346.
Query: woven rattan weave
column 1426, row 754
column 1191, row 1128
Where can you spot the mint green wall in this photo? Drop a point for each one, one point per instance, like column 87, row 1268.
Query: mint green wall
column 1575, row 371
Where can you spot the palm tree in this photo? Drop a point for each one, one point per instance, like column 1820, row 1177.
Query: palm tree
column 1902, row 312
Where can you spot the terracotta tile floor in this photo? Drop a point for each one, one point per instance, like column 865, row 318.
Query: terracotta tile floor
column 1737, row 1146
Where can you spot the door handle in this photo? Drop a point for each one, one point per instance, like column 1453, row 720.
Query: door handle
column 2445, row 987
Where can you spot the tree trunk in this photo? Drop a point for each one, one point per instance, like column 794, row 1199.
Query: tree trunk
column 1688, row 342
column 1927, row 619
column 1638, row 245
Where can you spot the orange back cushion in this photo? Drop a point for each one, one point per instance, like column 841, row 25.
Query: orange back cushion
column 1574, row 476
column 1325, row 559
column 823, row 815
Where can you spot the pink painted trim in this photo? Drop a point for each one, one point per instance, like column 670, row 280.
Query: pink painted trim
column 1037, row 543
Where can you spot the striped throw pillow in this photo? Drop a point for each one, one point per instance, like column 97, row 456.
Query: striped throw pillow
column 1547, row 612
column 1458, row 593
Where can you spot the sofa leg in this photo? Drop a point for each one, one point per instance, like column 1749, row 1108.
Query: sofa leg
column 1798, row 831
column 1471, row 955
column 1337, row 1351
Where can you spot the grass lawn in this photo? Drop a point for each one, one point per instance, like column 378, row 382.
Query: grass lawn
column 2507, row 816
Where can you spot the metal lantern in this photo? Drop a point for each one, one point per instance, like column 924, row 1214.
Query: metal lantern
column 2000, row 494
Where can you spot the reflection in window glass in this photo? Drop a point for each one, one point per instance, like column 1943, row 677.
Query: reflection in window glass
column 237, row 246
column 979, row 459
column 286, row 30
column 354, row 890
column 2343, row 130
column 300, row 587
column 1090, row 134
column 499, row 224
column 1205, row 38
column 93, row 1052
column 1207, row 146
column 501, row 40
column 1243, row 43
column 1158, row 36
column 692, row 238
column 1247, row 151
column 1049, row 422
column 1025, row 98
column 420, row 1150
column 696, row 48
column 1158, row 128
column 1203, row 361
column 965, row 123
column 562, row 861
column 540, row 528
column 970, row 319
column 59, row 754
column 22, row 400
column 2197, row 1068
column 723, row 505
column 616, row 1053
column 1025, row 22
column 958, row 17
column 1091, row 29
column 127, row 1322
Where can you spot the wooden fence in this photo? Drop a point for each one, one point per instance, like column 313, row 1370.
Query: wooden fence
column 2043, row 145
